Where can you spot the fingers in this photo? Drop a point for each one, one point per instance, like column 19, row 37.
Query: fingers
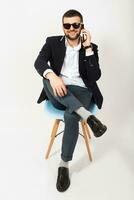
column 58, row 86
column 87, row 33
column 64, row 89
column 60, row 91
column 54, row 91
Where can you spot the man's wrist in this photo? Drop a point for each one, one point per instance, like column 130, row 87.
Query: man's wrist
column 46, row 72
column 88, row 46
column 49, row 75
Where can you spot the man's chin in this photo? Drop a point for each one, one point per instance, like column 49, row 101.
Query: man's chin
column 72, row 38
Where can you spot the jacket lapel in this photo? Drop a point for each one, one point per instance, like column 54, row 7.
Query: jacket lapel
column 62, row 52
column 81, row 58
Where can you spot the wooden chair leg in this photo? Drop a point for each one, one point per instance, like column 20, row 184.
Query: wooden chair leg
column 86, row 140
column 54, row 132
column 87, row 129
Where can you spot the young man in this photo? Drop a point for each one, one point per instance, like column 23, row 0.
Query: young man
column 70, row 68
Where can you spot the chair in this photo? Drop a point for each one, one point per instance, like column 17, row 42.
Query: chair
column 58, row 115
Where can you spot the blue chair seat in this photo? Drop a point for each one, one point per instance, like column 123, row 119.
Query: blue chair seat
column 59, row 114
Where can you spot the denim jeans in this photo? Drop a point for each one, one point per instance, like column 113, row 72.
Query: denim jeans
column 76, row 97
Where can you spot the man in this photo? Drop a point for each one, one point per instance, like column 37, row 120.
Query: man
column 70, row 68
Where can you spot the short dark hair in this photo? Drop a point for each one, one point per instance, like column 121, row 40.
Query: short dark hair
column 72, row 13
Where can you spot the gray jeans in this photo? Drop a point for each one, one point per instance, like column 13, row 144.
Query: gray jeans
column 76, row 97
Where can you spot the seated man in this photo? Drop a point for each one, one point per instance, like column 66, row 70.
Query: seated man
column 70, row 68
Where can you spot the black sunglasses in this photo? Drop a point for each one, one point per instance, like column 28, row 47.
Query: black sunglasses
column 74, row 25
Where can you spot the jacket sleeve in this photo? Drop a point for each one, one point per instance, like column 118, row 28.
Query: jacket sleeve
column 41, row 63
column 92, row 65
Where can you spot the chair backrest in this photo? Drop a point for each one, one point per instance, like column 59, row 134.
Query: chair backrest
column 59, row 114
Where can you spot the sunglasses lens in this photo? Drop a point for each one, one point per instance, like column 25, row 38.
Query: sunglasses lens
column 76, row 25
column 68, row 26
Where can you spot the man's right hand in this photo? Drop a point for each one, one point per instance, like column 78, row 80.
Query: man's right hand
column 57, row 84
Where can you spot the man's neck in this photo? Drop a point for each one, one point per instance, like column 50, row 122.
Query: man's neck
column 73, row 43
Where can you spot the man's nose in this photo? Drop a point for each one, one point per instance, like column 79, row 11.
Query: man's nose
column 71, row 28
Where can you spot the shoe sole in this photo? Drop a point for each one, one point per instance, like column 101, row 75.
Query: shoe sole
column 100, row 132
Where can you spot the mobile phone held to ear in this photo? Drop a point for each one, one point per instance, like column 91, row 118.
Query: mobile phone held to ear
column 83, row 37
column 82, row 26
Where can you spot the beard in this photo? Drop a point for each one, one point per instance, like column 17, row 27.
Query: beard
column 71, row 37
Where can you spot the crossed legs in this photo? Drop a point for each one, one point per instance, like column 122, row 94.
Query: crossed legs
column 76, row 97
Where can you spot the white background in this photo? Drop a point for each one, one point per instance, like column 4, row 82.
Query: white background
column 24, row 128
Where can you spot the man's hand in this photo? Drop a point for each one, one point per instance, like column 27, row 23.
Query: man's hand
column 87, row 36
column 57, row 84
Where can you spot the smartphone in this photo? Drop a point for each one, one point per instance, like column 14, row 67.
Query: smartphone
column 83, row 37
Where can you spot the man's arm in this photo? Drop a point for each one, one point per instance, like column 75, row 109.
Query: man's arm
column 42, row 67
column 92, row 65
column 91, row 60
column 41, row 63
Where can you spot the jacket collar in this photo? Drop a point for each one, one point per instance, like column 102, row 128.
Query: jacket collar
column 63, row 41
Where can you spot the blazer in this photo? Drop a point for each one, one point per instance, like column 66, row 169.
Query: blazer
column 52, row 56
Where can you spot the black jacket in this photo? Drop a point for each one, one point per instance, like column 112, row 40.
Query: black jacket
column 52, row 56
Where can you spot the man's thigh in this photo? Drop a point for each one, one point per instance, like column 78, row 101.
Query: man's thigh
column 84, row 95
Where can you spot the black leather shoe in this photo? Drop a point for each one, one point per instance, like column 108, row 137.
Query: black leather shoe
column 97, row 127
column 63, row 181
